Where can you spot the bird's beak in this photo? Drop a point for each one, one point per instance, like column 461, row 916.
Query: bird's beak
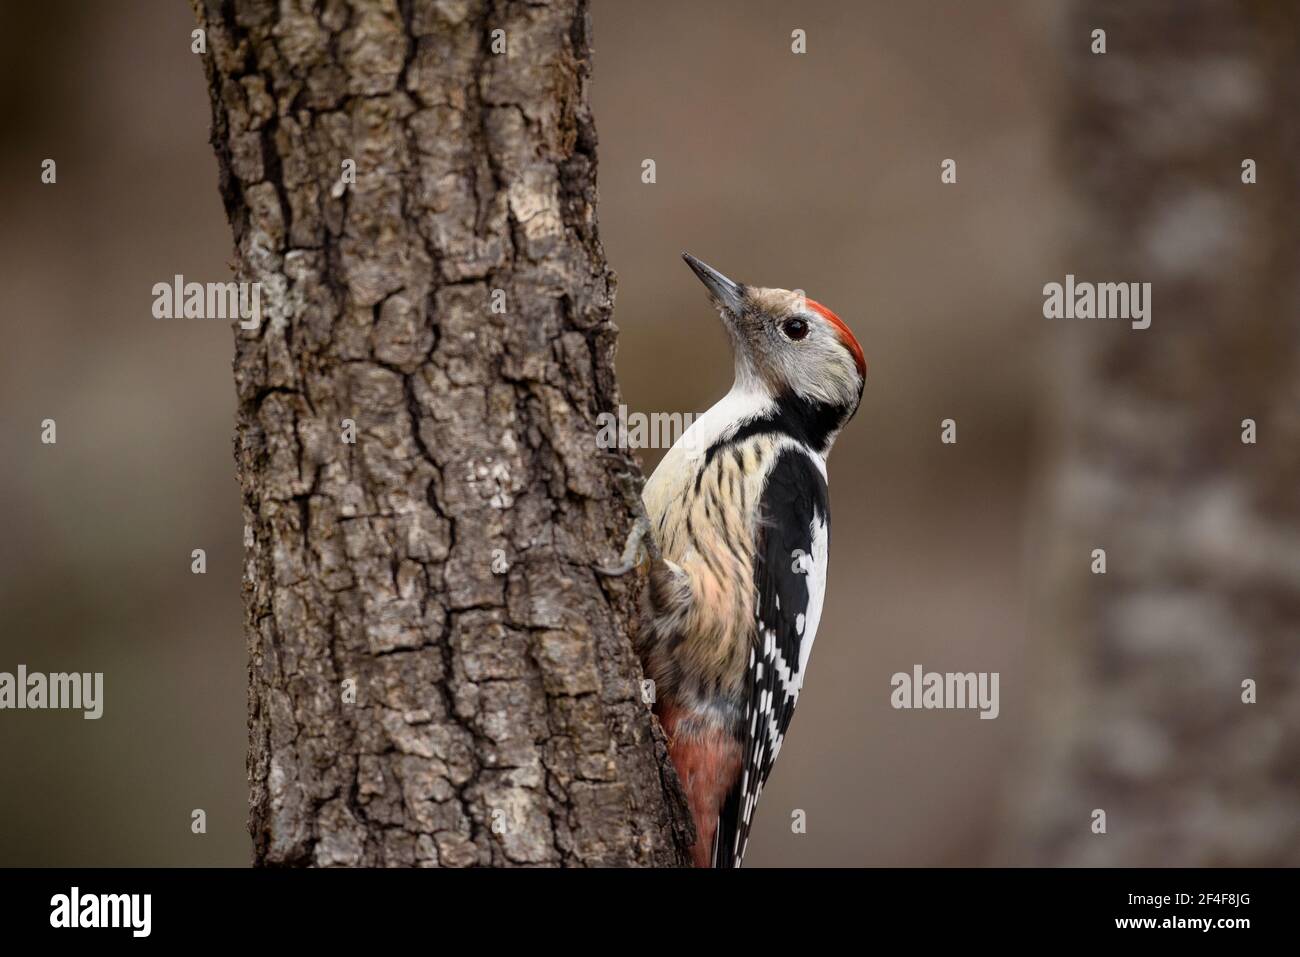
column 730, row 295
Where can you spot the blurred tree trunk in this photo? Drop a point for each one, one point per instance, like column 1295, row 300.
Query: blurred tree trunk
column 454, row 302
column 1143, row 666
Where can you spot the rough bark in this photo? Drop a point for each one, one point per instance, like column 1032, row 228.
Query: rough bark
column 498, row 715
column 1142, row 667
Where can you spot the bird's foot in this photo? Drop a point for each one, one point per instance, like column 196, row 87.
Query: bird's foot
column 632, row 550
column 639, row 539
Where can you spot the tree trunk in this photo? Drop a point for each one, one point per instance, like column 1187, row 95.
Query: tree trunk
column 1145, row 664
column 437, row 677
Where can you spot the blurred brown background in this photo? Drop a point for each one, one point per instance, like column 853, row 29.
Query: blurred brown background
column 818, row 171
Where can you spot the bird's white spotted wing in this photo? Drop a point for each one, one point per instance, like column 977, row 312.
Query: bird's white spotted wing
column 790, row 582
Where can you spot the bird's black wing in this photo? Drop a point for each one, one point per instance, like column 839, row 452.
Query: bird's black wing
column 790, row 579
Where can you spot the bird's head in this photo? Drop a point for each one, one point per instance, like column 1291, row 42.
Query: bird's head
column 788, row 346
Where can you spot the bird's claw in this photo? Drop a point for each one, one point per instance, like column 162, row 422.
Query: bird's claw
column 632, row 551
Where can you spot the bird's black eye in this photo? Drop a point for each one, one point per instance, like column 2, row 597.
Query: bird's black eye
column 795, row 329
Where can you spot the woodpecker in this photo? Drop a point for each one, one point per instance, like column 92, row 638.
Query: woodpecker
column 738, row 520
